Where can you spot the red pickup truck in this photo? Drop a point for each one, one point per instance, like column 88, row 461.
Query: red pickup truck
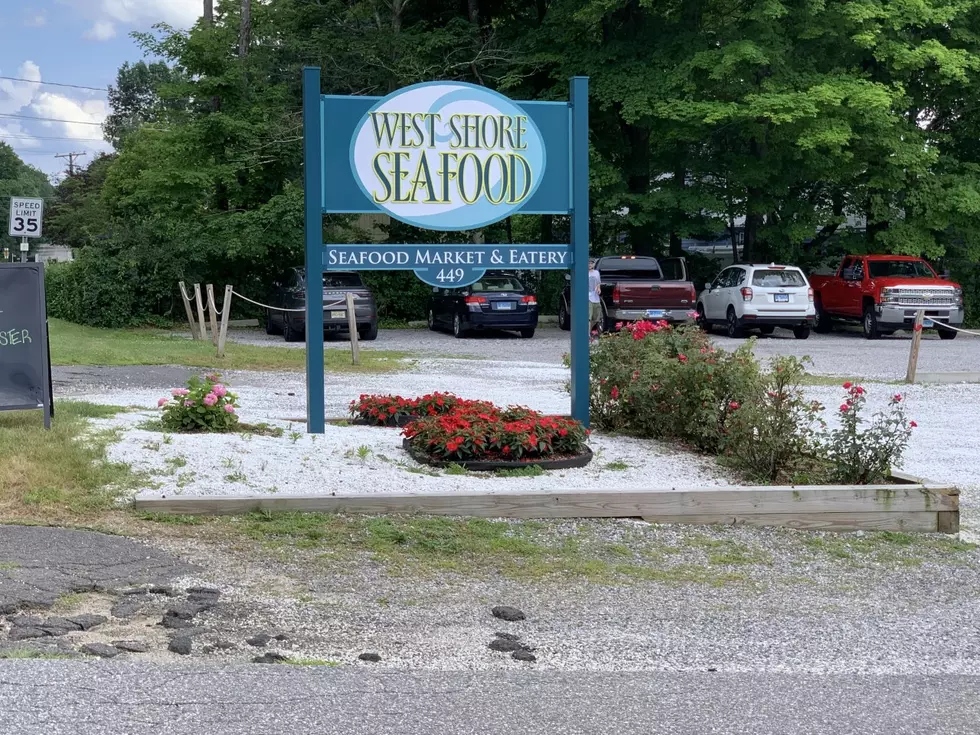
column 884, row 292
column 635, row 287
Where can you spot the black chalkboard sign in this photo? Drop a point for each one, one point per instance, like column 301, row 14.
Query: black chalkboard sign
column 25, row 364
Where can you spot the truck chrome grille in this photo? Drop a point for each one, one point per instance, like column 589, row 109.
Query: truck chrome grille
column 921, row 296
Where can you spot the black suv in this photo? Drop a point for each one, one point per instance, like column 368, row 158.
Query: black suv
column 289, row 292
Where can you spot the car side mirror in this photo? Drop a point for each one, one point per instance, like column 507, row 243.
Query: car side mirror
column 707, row 287
column 944, row 276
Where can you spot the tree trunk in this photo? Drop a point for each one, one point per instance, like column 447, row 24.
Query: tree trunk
column 209, row 12
column 680, row 181
column 245, row 29
column 473, row 11
column 638, row 184
column 733, row 234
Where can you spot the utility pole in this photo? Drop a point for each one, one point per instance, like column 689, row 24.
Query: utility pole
column 209, row 12
column 71, row 160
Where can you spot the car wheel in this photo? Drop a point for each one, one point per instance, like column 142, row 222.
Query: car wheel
column 733, row 329
column 291, row 335
column 368, row 334
column 801, row 332
column 459, row 331
column 822, row 324
column 702, row 321
column 870, row 323
column 270, row 326
column 768, row 330
column 527, row 333
column 563, row 321
column 431, row 320
column 606, row 325
column 946, row 333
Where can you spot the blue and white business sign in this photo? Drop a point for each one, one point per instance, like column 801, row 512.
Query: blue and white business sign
column 448, row 156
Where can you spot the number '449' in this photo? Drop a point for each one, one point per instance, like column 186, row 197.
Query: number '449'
column 450, row 275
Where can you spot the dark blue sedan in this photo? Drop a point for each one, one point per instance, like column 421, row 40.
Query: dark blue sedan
column 496, row 301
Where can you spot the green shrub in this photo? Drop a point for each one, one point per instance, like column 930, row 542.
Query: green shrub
column 204, row 405
column 655, row 381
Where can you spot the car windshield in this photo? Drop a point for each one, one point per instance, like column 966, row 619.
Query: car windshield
column 900, row 269
column 497, row 284
column 342, row 280
column 777, row 278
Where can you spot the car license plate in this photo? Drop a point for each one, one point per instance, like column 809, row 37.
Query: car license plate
column 338, row 314
column 781, row 298
column 503, row 305
column 927, row 323
column 655, row 313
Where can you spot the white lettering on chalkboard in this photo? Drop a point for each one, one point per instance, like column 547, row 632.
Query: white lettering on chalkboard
column 15, row 337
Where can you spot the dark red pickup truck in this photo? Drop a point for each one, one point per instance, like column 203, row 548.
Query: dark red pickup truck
column 885, row 292
column 635, row 287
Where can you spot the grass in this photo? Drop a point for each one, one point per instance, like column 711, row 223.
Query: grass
column 617, row 466
column 27, row 653
column 50, row 474
column 312, row 662
column 531, row 470
column 73, row 344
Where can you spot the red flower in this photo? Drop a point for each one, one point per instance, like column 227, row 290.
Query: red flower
column 912, row 424
column 734, row 405
column 392, row 409
column 614, row 392
column 898, row 397
column 858, row 390
column 844, row 407
column 848, row 384
column 682, row 358
column 562, row 432
column 505, row 449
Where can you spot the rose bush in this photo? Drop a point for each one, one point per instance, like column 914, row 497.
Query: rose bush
column 204, row 405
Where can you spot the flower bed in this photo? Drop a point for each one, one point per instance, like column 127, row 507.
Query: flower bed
column 443, row 428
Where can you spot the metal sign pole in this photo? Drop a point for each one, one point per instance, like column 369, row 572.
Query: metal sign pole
column 579, row 98
column 23, row 249
column 313, row 225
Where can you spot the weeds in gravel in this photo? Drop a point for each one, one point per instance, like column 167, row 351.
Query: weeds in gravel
column 28, row 653
column 8, row 565
column 531, row 470
column 61, row 473
column 455, row 469
column 312, row 662
column 617, row 466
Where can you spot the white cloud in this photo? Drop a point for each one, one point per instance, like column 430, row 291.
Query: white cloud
column 60, row 109
column 13, row 134
column 15, row 95
column 36, row 20
column 134, row 14
column 101, row 30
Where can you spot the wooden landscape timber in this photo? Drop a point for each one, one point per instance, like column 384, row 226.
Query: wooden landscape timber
column 910, row 504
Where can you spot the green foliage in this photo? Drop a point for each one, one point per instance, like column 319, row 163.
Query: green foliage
column 17, row 179
column 204, row 405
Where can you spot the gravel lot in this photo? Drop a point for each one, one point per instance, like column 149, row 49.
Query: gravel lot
column 840, row 353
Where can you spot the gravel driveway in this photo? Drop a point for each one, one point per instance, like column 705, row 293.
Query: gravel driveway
column 840, row 353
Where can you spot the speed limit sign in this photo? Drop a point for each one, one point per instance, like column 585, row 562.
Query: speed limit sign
column 25, row 217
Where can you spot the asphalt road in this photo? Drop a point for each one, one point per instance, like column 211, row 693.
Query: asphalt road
column 56, row 697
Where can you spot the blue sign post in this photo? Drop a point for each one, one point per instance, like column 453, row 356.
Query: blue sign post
column 445, row 156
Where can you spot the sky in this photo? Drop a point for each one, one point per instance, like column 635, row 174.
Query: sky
column 69, row 42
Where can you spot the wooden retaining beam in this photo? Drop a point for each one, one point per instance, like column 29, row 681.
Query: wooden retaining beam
column 908, row 506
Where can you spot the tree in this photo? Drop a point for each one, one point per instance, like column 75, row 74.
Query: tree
column 136, row 99
column 17, row 179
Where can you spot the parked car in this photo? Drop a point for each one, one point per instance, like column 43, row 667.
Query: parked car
column 496, row 301
column 289, row 292
column 759, row 297
column 884, row 292
column 635, row 287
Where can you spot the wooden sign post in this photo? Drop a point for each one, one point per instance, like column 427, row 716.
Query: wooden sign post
column 914, row 352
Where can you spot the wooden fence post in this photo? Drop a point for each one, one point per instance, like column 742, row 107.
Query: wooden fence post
column 352, row 326
column 200, row 312
column 187, row 307
column 212, row 314
column 225, row 315
column 914, row 352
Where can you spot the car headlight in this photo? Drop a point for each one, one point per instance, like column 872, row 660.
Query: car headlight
column 889, row 294
column 958, row 296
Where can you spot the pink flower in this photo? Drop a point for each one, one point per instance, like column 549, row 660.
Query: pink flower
column 614, row 392
column 848, row 384
column 912, row 424
column 858, row 390
column 682, row 358
column 178, row 392
column 734, row 405
column 844, row 407
column 162, row 402
column 898, row 398
column 210, row 399
column 219, row 390
column 229, row 408
column 188, row 404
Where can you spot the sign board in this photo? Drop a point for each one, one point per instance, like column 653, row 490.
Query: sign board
column 445, row 156
column 25, row 365
column 26, row 217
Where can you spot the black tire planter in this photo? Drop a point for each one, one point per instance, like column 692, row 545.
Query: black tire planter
column 565, row 463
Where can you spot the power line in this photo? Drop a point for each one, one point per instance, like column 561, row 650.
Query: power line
column 55, row 84
column 71, row 160
column 47, row 137
column 48, row 119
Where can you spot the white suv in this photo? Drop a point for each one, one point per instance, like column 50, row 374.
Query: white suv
column 759, row 297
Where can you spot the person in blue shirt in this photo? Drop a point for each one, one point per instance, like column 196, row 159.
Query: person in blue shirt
column 595, row 302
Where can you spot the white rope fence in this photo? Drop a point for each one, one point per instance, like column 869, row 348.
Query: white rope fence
column 942, row 325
